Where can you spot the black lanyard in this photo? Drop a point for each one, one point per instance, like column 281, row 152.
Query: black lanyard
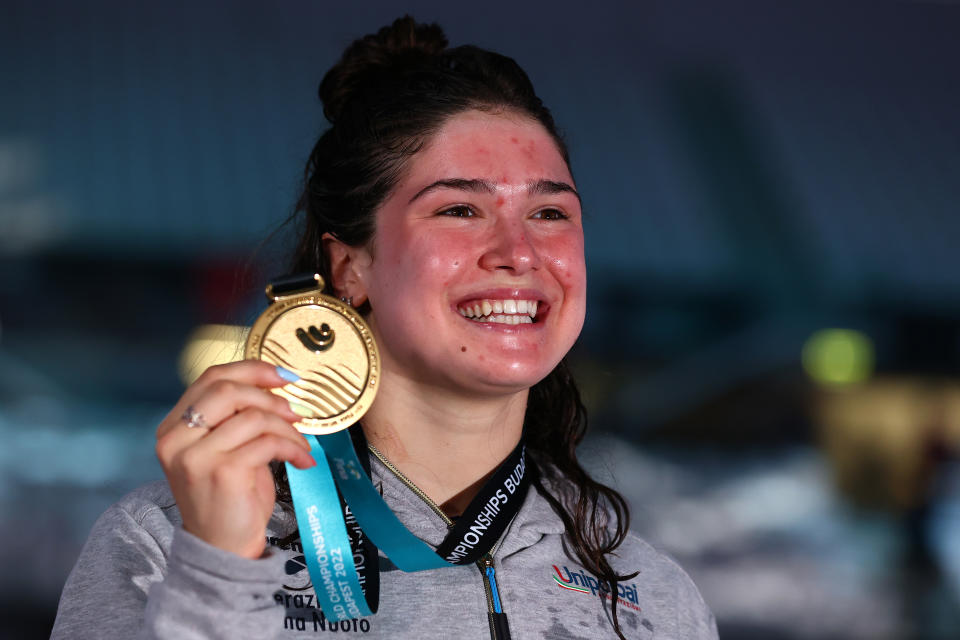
column 473, row 534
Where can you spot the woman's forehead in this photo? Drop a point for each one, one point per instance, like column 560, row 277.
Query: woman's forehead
column 504, row 149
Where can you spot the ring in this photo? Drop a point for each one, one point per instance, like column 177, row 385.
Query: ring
column 193, row 418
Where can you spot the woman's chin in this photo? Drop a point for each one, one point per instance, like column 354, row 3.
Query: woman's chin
column 502, row 378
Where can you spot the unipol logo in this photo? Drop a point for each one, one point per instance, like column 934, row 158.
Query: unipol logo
column 317, row 340
column 583, row 582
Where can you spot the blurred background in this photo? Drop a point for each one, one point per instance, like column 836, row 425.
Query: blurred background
column 772, row 344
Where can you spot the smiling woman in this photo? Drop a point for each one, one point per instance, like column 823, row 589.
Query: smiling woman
column 479, row 234
column 440, row 203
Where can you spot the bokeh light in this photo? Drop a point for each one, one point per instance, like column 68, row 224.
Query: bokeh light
column 837, row 357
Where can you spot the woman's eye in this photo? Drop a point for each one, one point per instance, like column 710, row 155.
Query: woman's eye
column 550, row 214
column 457, row 212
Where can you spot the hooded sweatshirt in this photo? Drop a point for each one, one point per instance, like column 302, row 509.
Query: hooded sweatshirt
column 140, row 575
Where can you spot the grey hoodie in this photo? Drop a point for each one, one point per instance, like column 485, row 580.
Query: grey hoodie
column 140, row 575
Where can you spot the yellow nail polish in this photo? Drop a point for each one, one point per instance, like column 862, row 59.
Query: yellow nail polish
column 301, row 410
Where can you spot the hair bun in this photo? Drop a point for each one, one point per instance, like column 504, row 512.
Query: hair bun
column 370, row 57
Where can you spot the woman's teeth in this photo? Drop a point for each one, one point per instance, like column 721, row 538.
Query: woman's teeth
column 501, row 311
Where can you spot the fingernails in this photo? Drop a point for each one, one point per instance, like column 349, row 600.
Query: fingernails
column 287, row 375
column 300, row 410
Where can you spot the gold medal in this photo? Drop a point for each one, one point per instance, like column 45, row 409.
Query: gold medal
column 327, row 344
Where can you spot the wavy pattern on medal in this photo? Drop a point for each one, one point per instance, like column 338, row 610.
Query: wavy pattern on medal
column 271, row 348
column 310, row 400
column 338, row 379
column 356, row 383
column 327, row 391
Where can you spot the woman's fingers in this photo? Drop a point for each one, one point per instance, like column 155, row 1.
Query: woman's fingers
column 243, row 427
column 219, row 408
column 226, row 398
column 253, row 372
column 224, row 452
column 218, row 472
column 220, row 398
column 269, row 446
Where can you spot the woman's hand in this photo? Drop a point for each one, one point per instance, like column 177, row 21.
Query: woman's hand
column 219, row 472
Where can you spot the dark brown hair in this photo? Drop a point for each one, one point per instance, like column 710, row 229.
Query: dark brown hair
column 384, row 99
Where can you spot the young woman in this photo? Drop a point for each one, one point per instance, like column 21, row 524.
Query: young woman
column 441, row 205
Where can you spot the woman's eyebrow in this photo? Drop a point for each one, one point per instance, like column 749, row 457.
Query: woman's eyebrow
column 547, row 187
column 462, row 184
column 476, row 185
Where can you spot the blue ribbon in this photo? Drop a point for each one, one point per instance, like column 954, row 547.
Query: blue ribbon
column 323, row 535
column 378, row 522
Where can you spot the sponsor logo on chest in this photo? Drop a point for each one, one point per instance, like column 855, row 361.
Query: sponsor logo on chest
column 583, row 582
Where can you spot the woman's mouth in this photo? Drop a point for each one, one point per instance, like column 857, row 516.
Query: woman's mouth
column 500, row 311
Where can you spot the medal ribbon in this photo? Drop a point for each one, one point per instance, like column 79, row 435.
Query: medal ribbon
column 323, row 535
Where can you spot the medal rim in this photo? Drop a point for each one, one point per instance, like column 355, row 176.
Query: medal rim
column 285, row 304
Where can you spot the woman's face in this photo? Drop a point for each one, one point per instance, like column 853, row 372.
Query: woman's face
column 476, row 277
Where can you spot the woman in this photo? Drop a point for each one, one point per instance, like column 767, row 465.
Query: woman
column 441, row 205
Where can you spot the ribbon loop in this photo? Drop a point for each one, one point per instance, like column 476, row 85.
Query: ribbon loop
column 326, row 545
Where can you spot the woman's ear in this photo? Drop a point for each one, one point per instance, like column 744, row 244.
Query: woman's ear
column 349, row 268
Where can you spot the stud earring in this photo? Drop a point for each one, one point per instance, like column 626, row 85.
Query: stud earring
column 347, row 299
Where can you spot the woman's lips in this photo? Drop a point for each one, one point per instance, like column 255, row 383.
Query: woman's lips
column 504, row 307
column 500, row 311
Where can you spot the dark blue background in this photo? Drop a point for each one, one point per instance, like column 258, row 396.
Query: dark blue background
column 752, row 172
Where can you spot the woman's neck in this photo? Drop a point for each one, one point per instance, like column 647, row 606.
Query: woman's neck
column 445, row 443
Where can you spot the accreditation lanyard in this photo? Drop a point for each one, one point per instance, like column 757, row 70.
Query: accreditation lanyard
column 333, row 565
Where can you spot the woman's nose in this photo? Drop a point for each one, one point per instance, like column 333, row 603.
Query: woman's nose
column 510, row 248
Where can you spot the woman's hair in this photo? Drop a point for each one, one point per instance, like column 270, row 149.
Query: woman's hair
column 385, row 98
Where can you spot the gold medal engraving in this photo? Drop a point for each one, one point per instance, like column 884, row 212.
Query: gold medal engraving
column 317, row 340
column 330, row 347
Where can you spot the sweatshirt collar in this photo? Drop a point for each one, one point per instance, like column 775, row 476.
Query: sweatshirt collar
column 534, row 520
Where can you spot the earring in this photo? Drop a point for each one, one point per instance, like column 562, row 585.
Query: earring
column 347, row 299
